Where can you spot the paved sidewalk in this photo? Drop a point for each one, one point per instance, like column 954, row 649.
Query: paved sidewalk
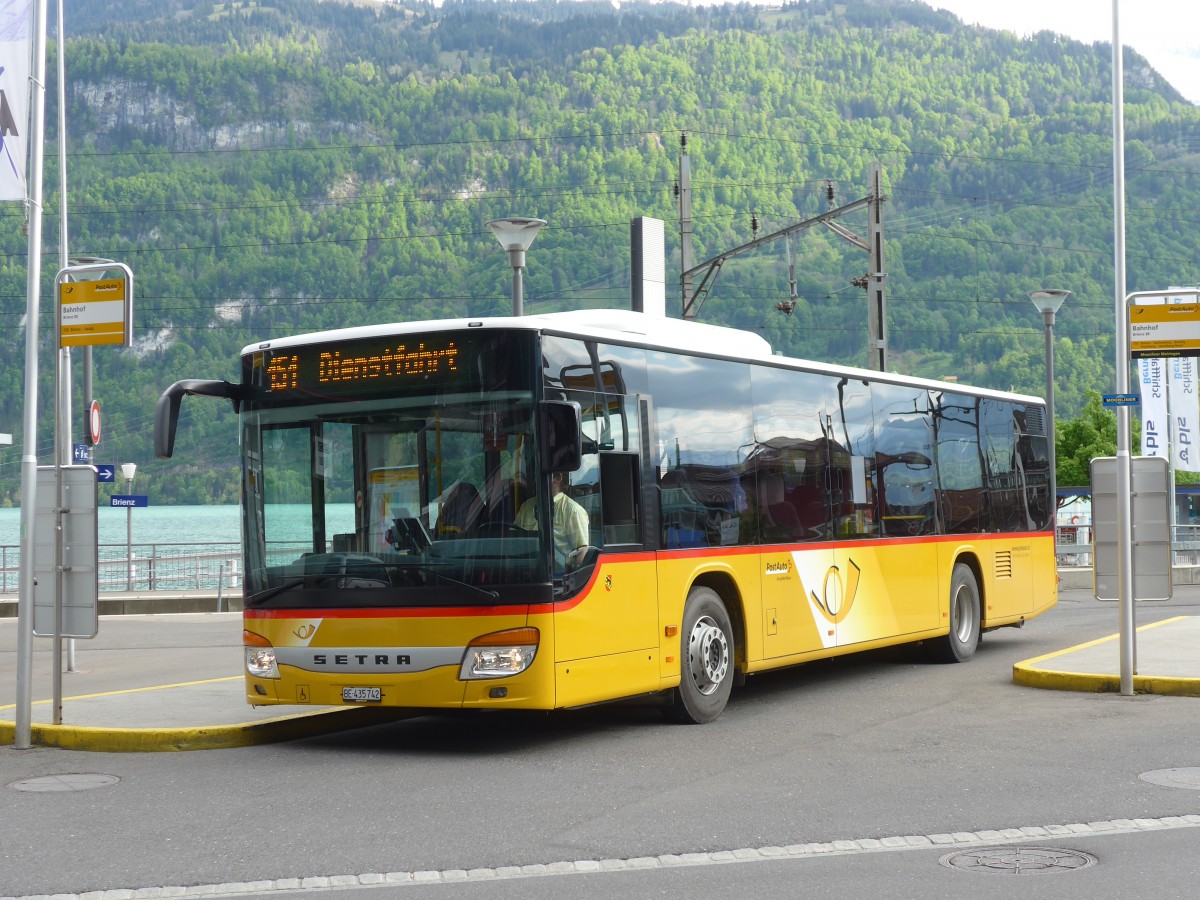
column 1167, row 662
column 158, row 682
column 198, row 715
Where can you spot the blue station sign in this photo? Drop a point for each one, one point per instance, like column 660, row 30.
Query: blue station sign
column 1120, row 399
column 129, row 501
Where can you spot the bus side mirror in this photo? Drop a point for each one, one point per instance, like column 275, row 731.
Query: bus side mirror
column 561, row 446
column 166, row 412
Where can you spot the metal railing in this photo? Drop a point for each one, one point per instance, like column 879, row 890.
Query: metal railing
column 1073, row 546
column 161, row 566
column 218, row 566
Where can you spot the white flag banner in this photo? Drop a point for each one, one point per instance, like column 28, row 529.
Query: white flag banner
column 1155, row 430
column 16, row 25
column 1185, row 413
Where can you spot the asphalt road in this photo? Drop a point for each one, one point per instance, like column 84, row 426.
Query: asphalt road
column 860, row 750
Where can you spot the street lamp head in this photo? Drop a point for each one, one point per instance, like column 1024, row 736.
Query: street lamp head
column 1048, row 301
column 129, row 470
column 516, row 232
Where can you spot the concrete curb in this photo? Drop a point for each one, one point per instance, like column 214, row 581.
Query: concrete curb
column 212, row 737
column 1028, row 676
column 1033, row 673
column 149, row 603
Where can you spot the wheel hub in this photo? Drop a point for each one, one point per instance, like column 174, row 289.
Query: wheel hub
column 964, row 618
column 708, row 655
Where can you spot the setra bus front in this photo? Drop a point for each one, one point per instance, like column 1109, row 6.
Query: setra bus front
column 397, row 545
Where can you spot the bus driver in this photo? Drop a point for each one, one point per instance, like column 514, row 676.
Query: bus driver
column 570, row 521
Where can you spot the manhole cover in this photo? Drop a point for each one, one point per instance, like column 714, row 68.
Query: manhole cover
column 1018, row 860
column 83, row 781
column 1189, row 778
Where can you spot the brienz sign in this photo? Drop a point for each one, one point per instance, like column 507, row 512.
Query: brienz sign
column 129, row 501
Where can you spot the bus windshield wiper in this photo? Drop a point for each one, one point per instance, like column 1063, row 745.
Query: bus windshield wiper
column 339, row 580
column 267, row 593
column 432, row 570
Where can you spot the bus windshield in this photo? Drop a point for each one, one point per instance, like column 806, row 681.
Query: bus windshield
column 386, row 502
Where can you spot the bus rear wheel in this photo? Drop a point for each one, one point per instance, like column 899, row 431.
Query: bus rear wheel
column 706, row 659
column 962, row 641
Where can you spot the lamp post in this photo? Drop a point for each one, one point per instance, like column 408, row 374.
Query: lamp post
column 515, row 235
column 1048, row 302
column 129, row 470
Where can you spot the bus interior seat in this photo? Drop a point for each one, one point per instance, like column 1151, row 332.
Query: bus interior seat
column 780, row 514
column 462, row 510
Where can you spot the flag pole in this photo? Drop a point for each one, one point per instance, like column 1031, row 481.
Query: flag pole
column 22, row 739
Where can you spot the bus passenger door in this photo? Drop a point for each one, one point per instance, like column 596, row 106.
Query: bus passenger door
column 886, row 564
column 788, row 484
column 793, row 512
column 614, row 610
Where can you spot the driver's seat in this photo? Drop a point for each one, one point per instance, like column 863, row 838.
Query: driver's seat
column 462, row 510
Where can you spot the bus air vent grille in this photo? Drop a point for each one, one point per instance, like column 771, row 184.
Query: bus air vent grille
column 1035, row 422
column 1004, row 564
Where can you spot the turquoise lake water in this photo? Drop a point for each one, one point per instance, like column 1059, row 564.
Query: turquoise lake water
column 197, row 525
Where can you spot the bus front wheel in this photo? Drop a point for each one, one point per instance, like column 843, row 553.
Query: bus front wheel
column 960, row 644
column 706, row 659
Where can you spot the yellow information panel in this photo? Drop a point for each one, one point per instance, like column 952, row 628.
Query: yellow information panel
column 1162, row 330
column 92, row 312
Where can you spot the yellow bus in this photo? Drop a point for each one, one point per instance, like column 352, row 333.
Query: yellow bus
column 557, row 510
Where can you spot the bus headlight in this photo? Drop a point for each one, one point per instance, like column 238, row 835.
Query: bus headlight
column 260, row 656
column 500, row 654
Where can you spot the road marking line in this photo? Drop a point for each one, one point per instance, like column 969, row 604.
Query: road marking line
column 898, row 843
column 141, row 690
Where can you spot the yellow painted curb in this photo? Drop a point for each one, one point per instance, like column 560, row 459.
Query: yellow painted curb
column 1028, row 674
column 215, row 737
column 207, row 737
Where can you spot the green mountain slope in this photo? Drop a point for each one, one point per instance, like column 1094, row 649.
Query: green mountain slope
column 275, row 167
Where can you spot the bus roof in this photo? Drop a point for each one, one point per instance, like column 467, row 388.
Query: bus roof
column 630, row 327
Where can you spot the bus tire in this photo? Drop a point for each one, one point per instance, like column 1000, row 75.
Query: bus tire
column 706, row 659
column 962, row 641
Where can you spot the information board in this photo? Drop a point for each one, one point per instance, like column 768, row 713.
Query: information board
column 93, row 312
column 1164, row 330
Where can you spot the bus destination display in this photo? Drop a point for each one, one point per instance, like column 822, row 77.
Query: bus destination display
column 361, row 367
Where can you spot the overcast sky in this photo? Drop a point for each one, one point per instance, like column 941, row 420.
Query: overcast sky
column 1166, row 32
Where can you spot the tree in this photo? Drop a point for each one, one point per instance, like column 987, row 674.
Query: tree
column 1080, row 440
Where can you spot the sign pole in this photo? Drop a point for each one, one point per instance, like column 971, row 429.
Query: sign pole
column 62, row 445
column 87, row 313
column 1143, row 331
column 64, row 353
column 1124, row 466
column 129, row 470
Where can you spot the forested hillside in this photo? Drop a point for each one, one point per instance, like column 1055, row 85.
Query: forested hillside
column 272, row 167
